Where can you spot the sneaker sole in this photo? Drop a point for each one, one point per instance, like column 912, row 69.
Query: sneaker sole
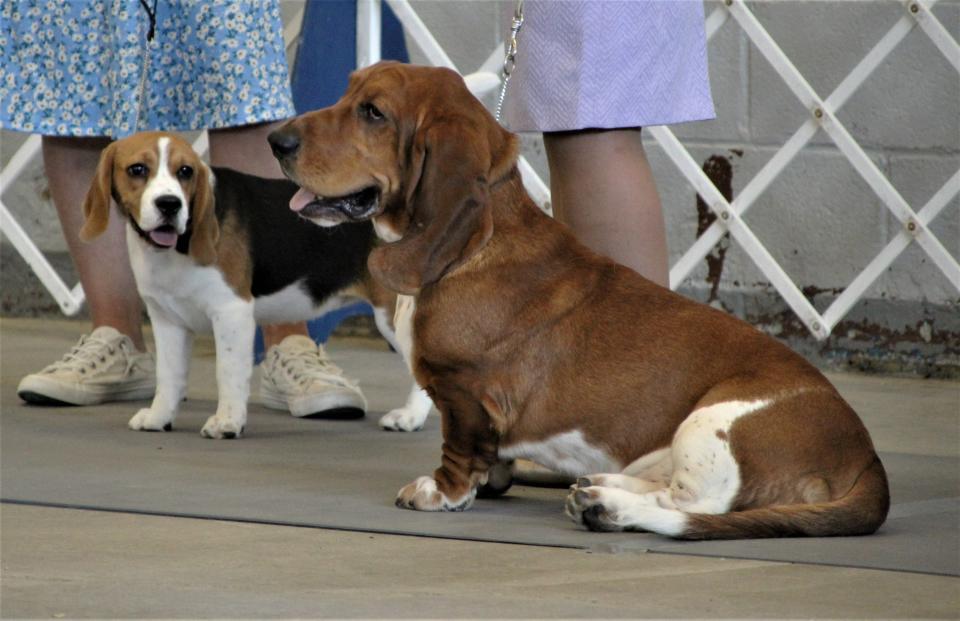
column 35, row 398
column 345, row 405
column 41, row 391
column 345, row 413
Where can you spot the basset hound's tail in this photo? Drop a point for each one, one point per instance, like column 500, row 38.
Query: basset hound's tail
column 860, row 512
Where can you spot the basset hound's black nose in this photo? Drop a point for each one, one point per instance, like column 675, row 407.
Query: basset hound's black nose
column 284, row 142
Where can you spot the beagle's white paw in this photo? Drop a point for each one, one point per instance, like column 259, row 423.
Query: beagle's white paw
column 423, row 495
column 220, row 427
column 148, row 419
column 403, row 419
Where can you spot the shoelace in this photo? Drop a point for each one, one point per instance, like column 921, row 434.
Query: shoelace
column 305, row 366
column 85, row 355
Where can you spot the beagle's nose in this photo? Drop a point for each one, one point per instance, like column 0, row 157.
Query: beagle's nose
column 284, row 142
column 168, row 204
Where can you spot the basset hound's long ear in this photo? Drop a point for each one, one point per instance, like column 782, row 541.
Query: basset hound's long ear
column 96, row 206
column 205, row 232
column 449, row 171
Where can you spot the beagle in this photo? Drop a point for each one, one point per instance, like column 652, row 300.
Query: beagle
column 677, row 418
column 213, row 248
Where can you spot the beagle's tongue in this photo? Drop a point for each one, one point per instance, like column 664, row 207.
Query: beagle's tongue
column 301, row 199
column 163, row 237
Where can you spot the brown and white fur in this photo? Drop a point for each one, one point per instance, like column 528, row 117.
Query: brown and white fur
column 533, row 346
column 214, row 249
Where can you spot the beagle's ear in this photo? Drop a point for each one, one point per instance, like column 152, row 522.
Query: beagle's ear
column 205, row 231
column 448, row 201
column 96, row 206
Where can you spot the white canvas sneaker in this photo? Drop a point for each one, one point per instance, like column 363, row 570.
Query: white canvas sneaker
column 103, row 366
column 297, row 376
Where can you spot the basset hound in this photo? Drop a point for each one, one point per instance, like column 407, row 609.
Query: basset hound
column 677, row 418
column 213, row 248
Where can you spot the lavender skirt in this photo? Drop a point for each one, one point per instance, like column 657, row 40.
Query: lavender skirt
column 609, row 64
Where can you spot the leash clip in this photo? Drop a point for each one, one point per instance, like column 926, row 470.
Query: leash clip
column 510, row 59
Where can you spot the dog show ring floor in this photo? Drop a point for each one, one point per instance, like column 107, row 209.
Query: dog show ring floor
column 296, row 519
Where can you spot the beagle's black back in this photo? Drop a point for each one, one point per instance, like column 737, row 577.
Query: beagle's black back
column 285, row 248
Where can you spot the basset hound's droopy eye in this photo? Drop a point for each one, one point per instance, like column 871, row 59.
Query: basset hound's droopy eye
column 370, row 112
column 138, row 170
column 184, row 173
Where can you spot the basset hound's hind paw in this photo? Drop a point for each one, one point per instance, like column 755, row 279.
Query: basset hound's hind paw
column 585, row 506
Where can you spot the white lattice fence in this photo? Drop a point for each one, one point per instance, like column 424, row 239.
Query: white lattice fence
column 822, row 116
column 915, row 224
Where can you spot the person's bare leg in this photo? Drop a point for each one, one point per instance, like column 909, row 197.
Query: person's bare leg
column 103, row 264
column 274, row 333
column 603, row 188
column 246, row 149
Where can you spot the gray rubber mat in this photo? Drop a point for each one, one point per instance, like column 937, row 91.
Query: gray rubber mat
column 335, row 474
column 345, row 474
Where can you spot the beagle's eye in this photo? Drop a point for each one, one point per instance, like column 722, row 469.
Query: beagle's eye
column 184, row 173
column 370, row 112
column 137, row 170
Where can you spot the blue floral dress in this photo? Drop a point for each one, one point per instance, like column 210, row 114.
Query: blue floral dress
column 92, row 68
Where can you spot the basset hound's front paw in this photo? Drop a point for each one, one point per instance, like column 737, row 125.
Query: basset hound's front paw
column 423, row 495
column 149, row 419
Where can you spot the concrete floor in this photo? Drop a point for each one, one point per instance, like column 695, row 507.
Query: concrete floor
column 66, row 563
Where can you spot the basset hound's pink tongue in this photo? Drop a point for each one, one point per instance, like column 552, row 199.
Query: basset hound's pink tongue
column 166, row 238
column 301, row 199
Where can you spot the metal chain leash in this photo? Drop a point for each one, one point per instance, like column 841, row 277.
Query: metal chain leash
column 510, row 60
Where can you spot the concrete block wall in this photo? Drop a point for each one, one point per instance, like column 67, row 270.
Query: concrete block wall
column 819, row 219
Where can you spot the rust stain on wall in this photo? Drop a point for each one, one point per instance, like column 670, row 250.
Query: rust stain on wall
column 720, row 171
